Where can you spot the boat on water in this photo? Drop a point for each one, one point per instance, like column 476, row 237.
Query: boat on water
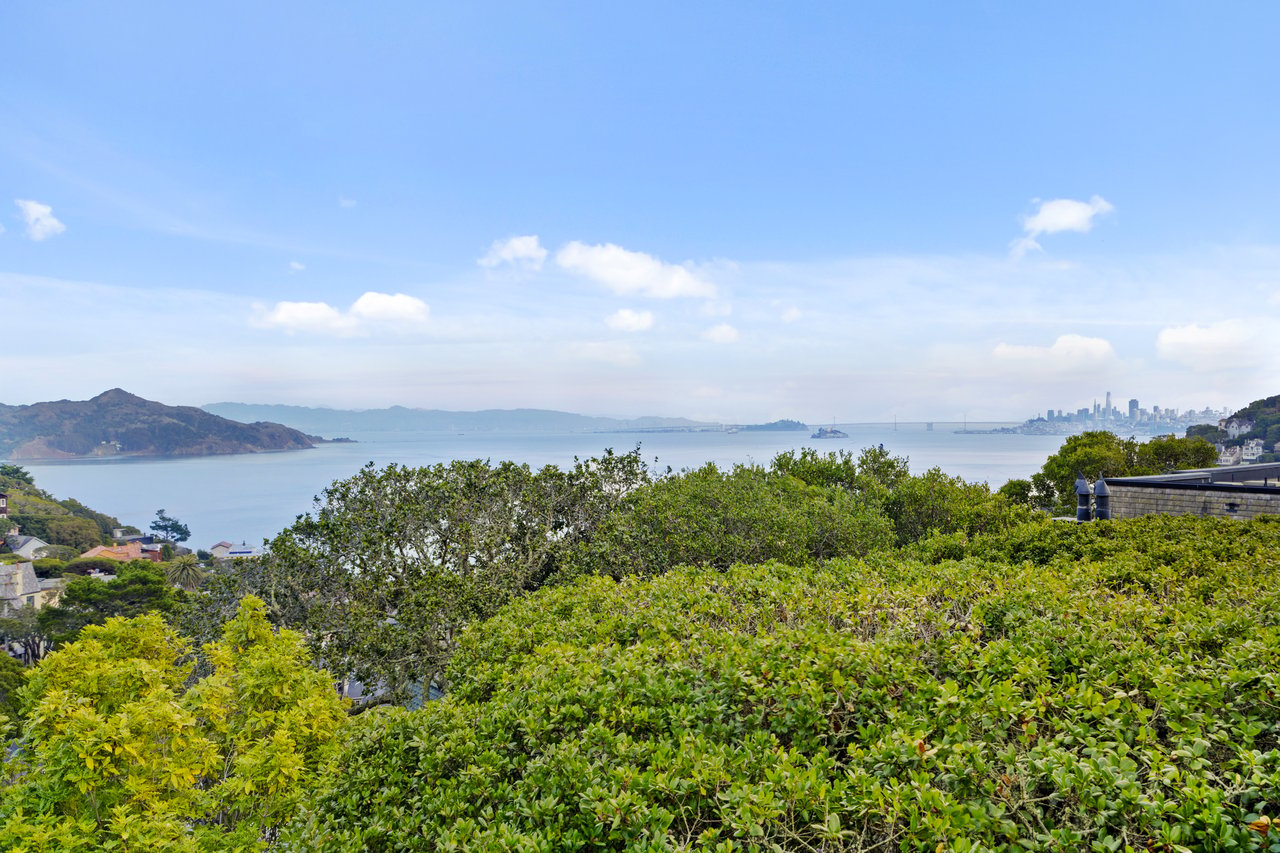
column 829, row 432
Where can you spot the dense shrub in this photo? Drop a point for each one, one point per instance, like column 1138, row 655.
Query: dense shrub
column 1112, row 686
column 717, row 518
column 121, row 751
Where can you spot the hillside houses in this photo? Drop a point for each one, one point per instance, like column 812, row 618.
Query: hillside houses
column 1235, row 427
column 125, row 552
column 1246, row 454
column 19, row 587
column 25, row 547
column 227, row 551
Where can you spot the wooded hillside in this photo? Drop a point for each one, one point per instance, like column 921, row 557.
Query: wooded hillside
column 117, row 423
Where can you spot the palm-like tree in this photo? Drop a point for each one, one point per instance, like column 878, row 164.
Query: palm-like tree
column 184, row 571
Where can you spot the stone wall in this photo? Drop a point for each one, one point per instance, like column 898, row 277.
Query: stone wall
column 1133, row 501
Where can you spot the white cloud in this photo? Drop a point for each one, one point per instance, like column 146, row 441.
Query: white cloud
column 791, row 315
column 41, row 223
column 343, row 201
column 381, row 311
column 390, row 308
column 523, row 251
column 1067, row 354
column 1216, row 346
column 627, row 320
column 296, row 266
column 721, row 334
column 1059, row 214
column 630, row 273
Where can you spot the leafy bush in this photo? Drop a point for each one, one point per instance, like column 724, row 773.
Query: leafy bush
column 1119, row 692
column 717, row 518
column 118, row 754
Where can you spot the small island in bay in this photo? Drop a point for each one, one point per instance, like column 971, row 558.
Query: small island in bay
column 119, row 424
column 776, row 426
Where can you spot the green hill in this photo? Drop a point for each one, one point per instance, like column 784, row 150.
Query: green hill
column 1264, row 414
column 117, row 423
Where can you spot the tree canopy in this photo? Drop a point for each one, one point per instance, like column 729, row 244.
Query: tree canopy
column 118, row 753
column 1118, row 693
column 1105, row 454
column 170, row 528
column 393, row 563
column 139, row 587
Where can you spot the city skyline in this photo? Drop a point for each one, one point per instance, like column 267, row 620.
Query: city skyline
column 724, row 212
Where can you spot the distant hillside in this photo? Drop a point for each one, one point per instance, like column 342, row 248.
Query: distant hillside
column 334, row 422
column 1264, row 414
column 117, row 423
column 777, row 426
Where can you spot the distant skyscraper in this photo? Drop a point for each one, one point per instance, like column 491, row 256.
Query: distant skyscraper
column 1133, row 409
column 1108, row 409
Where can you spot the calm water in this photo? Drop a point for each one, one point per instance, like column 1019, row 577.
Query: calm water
column 252, row 497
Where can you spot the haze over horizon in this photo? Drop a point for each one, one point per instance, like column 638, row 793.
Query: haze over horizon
column 727, row 212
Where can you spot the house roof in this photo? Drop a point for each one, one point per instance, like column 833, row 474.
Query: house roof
column 17, row 580
column 124, row 553
column 16, row 542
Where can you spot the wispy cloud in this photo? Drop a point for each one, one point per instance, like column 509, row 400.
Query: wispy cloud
column 343, row 201
column 630, row 273
column 296, row 266
column 41, row 223
column 524, row 251
column 1224, row 345
column 1059, row 214
column 384, row 312
column 1069, row 354
column 721, row 334
column 627, row 320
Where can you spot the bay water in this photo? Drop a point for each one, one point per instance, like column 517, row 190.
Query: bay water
column 251, row 497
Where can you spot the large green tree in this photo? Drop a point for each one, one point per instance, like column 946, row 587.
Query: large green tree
column 1104, row 454
column 394, row 562
column 139, row 587
column 717, row 518
column 917, row 505
column 22, row 626
column 169, row 528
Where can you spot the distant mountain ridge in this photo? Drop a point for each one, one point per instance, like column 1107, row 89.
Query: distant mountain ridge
column 117, row 423
column 334, row 422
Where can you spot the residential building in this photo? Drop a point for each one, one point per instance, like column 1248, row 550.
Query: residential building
column 25, row 546
column 1229, row 455
column 1235, row 428
column 1252, row 449
column 126, row 552
column 19, row 587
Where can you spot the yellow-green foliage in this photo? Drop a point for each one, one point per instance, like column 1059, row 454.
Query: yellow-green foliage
column 1111, row 687
column 117, row 754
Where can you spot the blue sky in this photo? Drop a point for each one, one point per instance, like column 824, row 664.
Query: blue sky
column 736, row 211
